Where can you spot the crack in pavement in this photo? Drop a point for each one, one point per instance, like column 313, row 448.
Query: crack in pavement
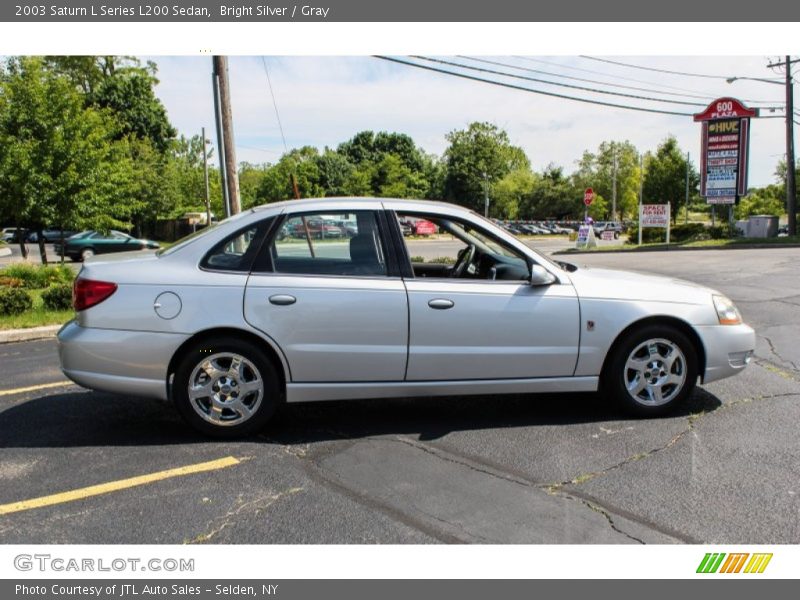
column 778, row 356
column 229, row 518
column 692, row 419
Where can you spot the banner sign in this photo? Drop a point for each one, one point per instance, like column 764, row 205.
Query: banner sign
column 724, row 155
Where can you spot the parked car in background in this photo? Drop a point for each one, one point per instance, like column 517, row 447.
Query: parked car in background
column 12, row 235
column 405, row 228
column 232, row 322
column 316, row 228
column 423, row 227
column 50, row 235
column 613, row 226
column 86, row 244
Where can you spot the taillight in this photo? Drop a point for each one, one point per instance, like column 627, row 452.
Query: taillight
column 87, row 292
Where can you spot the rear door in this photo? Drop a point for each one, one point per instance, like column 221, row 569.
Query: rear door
column 337, row 307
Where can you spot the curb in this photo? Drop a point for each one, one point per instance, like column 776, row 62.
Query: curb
column 676, row 249
column 5, row 251
column 27, row 335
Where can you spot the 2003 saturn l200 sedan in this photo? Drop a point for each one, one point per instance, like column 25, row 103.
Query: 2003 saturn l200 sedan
column 234, row 320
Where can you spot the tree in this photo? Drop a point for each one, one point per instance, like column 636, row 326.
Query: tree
column 513, row 191
column 59, row 163
column 665, row 176
column 480, row 152
column 770, row 200
column 556, row 196
column 129, row 94
column 300, row 163
column 596, row 170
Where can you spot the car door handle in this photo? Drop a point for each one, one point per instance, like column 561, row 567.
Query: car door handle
column 282, row 299
column 441, row 303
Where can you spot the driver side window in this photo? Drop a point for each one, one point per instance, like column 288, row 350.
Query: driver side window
column 448, row 248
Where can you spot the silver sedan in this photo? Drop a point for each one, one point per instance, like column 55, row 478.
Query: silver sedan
column 233, row 321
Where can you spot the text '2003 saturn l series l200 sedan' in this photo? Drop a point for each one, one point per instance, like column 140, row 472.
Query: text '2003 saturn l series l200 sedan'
column 236, row 319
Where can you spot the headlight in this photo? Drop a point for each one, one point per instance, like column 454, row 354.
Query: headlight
column 726, row 311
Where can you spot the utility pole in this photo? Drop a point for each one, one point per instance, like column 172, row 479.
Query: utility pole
column 614, row 188
column 641, row 187
column 687, row 187
column 205, row 173
column 485, row 195
column 791, row 184
column 231, row 179
column 226, row 204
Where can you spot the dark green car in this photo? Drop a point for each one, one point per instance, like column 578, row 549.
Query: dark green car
column 88, row 243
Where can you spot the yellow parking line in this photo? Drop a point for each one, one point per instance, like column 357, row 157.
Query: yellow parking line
column 114, row 486
column 35, row 388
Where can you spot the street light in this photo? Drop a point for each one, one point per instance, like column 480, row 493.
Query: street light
column 791, row 189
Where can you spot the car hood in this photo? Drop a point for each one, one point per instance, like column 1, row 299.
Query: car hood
column 630, row 285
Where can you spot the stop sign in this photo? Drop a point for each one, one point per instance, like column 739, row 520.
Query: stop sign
column 588, row 196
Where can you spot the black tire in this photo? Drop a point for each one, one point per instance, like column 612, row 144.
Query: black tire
column 667, row 384
column 224, row 422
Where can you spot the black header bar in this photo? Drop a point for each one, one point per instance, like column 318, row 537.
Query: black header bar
column 401, row 11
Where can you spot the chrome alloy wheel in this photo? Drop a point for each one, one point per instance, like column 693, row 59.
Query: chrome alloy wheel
column 655, row 372
column 225, row 389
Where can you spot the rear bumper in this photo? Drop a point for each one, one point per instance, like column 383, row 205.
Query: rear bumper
column 728, row 349
column 122, row 362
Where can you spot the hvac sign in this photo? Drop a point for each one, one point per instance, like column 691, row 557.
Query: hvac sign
column 725, row 150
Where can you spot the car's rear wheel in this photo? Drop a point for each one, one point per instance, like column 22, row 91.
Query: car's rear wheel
column 226, row 388
column 87, row 253
column 652, row 371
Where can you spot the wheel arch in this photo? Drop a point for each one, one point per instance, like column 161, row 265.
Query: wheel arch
column 272, row 351
column 675, row 322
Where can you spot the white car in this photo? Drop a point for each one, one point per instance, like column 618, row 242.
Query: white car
column 236, row 319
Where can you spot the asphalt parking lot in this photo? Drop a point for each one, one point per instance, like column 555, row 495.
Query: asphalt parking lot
column 536, row 469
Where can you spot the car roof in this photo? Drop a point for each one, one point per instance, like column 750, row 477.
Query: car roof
column 392, row 203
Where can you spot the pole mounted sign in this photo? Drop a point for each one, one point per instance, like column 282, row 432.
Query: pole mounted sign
column 725, row 145
column 588, row 196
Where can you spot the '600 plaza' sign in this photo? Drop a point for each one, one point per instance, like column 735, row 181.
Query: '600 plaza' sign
column 723, row 160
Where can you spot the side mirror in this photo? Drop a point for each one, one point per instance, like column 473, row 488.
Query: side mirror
column 541, row 276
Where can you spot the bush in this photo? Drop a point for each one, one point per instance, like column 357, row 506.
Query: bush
column 10, row 281
column 58, row 297
column 14, row 301
column 37, row 277
column 682, row 232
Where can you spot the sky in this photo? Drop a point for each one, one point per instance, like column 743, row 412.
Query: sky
column 325, row 100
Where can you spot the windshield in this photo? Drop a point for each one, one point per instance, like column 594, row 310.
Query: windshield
column 498, row 231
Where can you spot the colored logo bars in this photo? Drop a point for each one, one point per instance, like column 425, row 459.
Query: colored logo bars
column 736, row 562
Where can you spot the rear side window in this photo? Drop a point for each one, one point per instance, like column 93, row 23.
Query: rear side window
column 238, row 251
column 343, row 244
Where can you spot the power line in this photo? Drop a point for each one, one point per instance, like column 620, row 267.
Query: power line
column 566, row 85
column 531, row 90
column 275, row 104
column 654, row 69
column 619, row 85
column 633, row 79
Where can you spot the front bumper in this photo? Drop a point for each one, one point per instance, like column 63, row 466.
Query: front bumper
column 728, row 349
column 118, row 361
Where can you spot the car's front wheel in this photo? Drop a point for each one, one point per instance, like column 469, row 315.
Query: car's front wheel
column 226, row 388
column 652, row 371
